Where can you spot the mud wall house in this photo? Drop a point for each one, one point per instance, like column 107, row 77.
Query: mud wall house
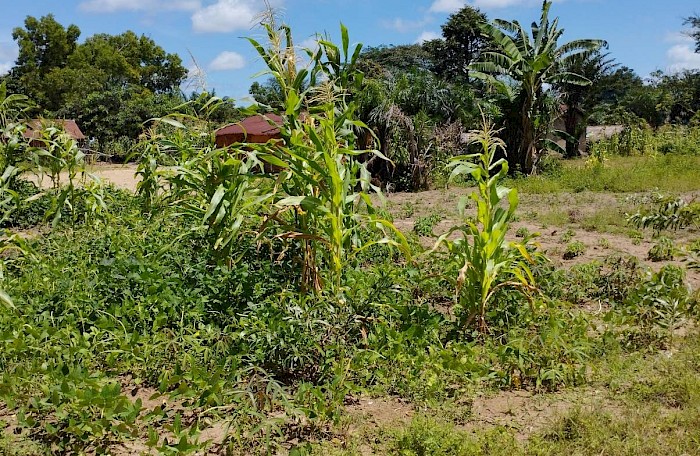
column 560, row 125
column 34, row 127
column 257, row 129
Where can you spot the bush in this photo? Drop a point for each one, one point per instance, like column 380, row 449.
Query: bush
column 574, row 249
column 424, row 225
column 663, row 250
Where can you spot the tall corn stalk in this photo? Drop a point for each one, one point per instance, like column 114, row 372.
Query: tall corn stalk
column 59, row 159
column 324, row 200
column 215, row 189
column 481, row 260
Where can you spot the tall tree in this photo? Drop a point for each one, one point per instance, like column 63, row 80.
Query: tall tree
column 694, row 23
column 396, row 59
column 268, row 94
column 532, row 62
column 68, row 79
column 44, row 44
column 462, row 42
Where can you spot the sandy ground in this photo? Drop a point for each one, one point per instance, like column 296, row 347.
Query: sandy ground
column 122, row 176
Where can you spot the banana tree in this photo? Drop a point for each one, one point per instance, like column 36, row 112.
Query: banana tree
column 521, row 66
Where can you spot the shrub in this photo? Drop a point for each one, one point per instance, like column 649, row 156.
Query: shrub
column 663, row 250
column 574, row 249
column 424, row 225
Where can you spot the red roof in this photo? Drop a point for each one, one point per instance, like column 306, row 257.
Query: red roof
column 69, row 125
column 258, row 125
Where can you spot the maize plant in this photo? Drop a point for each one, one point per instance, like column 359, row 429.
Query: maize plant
column 324, row 199
column 481, row 261
column 215, row 189
column 59, row 158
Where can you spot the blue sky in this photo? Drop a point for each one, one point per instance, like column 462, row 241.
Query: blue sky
column 643, row 34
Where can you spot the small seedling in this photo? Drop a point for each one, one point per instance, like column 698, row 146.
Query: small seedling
column 574, row 249
column 408, row 210
column 424, row 225
column 663, row 250
column 522, row 232
column 567, row 236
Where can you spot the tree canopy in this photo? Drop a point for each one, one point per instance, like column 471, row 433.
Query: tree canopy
column 110, row 83
column 463, row 40
column 694, row 22
column 533, row 61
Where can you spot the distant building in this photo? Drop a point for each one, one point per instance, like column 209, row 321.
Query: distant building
column 34, row 127
column 257, row 129
column 599, row 132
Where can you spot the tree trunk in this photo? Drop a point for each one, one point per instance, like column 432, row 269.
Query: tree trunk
column 571, row 126
column 527, row 153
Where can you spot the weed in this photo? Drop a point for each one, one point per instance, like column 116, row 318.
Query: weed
column 574, row 249
column 408, row 210
column 522, row 232
column 669, row 213
column 424, row 226
column 663, row 250
column 567, row 236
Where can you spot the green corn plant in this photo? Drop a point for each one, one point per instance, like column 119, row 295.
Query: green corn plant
column 481, row 261
column 215, row 189
column 323, row 200
column 59, row 159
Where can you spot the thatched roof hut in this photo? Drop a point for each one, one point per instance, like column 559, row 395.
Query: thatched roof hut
column 256, row 129
column 34, row 127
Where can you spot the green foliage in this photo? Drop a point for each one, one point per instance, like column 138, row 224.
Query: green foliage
column 532, row 62
column 638, row 139
column 325, row 202
column 482, row 261
column 461, row 44
column 429, row 437
column 574, row 249
column 656, row 307
column 669, row 213
column 568, row 235
column 213, row 189
column 110, row 83
column 669, row 173
column 522, row 233
column 663, row 250
column 424, row 226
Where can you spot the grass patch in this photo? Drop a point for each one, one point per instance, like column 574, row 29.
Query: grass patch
column 667, row 173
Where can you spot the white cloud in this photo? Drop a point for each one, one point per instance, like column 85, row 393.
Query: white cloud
column 310, row 43
column 226, row 16
column 111, row 6
column 8, row 55
column 403, row 25
column 227, row 60
column 451, row 6
column 682, row 57
column 5, row 67
column 446, row 6
column 427, row 36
